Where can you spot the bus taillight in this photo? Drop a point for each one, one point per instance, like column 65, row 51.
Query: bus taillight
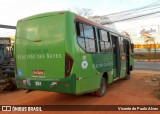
column 68, row 64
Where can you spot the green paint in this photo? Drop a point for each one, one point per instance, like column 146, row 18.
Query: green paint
column 56, row 35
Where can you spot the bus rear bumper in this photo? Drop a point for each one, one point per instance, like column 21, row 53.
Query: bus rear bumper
column 62, row 85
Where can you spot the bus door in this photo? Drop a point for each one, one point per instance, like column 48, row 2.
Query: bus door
column 127, row 47
column 122, row 56
column 116, row 56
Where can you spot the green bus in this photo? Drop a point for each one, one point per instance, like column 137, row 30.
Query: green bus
column 63, row 52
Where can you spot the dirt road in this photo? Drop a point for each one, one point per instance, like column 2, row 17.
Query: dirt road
column 136, row 91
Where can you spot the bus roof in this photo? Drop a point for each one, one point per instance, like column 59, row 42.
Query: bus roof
column 42, row 15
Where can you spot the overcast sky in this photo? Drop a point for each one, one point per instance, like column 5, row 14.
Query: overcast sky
column 13, row 10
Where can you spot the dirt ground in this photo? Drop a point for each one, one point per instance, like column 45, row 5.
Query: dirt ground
column 141, row 89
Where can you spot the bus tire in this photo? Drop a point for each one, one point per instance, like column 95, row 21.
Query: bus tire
column 102, row 90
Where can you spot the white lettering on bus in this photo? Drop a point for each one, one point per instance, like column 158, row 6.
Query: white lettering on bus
column 39, row 56
column 103, row 64
column 54, row 56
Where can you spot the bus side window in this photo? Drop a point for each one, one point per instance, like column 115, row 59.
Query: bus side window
column 124, row 45
column 79, row 29
column 80, row 35
column 86, row 37
column 104, row 41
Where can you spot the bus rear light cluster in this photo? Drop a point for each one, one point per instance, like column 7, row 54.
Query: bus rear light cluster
column 53, row 84
column 24, row 82
column 68, row 64
column 59, row 83
column 78, row 78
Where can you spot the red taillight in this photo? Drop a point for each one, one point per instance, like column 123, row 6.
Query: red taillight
column 68, row 64
column 59, row 83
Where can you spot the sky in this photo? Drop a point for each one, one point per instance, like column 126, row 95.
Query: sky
column 13, row 10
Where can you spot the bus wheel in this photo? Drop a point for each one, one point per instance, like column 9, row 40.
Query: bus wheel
column 102, row 90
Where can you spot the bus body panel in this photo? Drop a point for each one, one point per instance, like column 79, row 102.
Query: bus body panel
column 36, row 50
column 40, row 54
column 123, row 65
column 42, row 42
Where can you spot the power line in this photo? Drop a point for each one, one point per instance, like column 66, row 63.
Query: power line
column 135, row 9
column 135, row 12
column 142, row 12
column 132, row 17
column 7, row 26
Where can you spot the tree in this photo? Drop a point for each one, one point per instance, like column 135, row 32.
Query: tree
column 126, row 33
column 148, row 38
column 103, row 20
column 85, row 12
